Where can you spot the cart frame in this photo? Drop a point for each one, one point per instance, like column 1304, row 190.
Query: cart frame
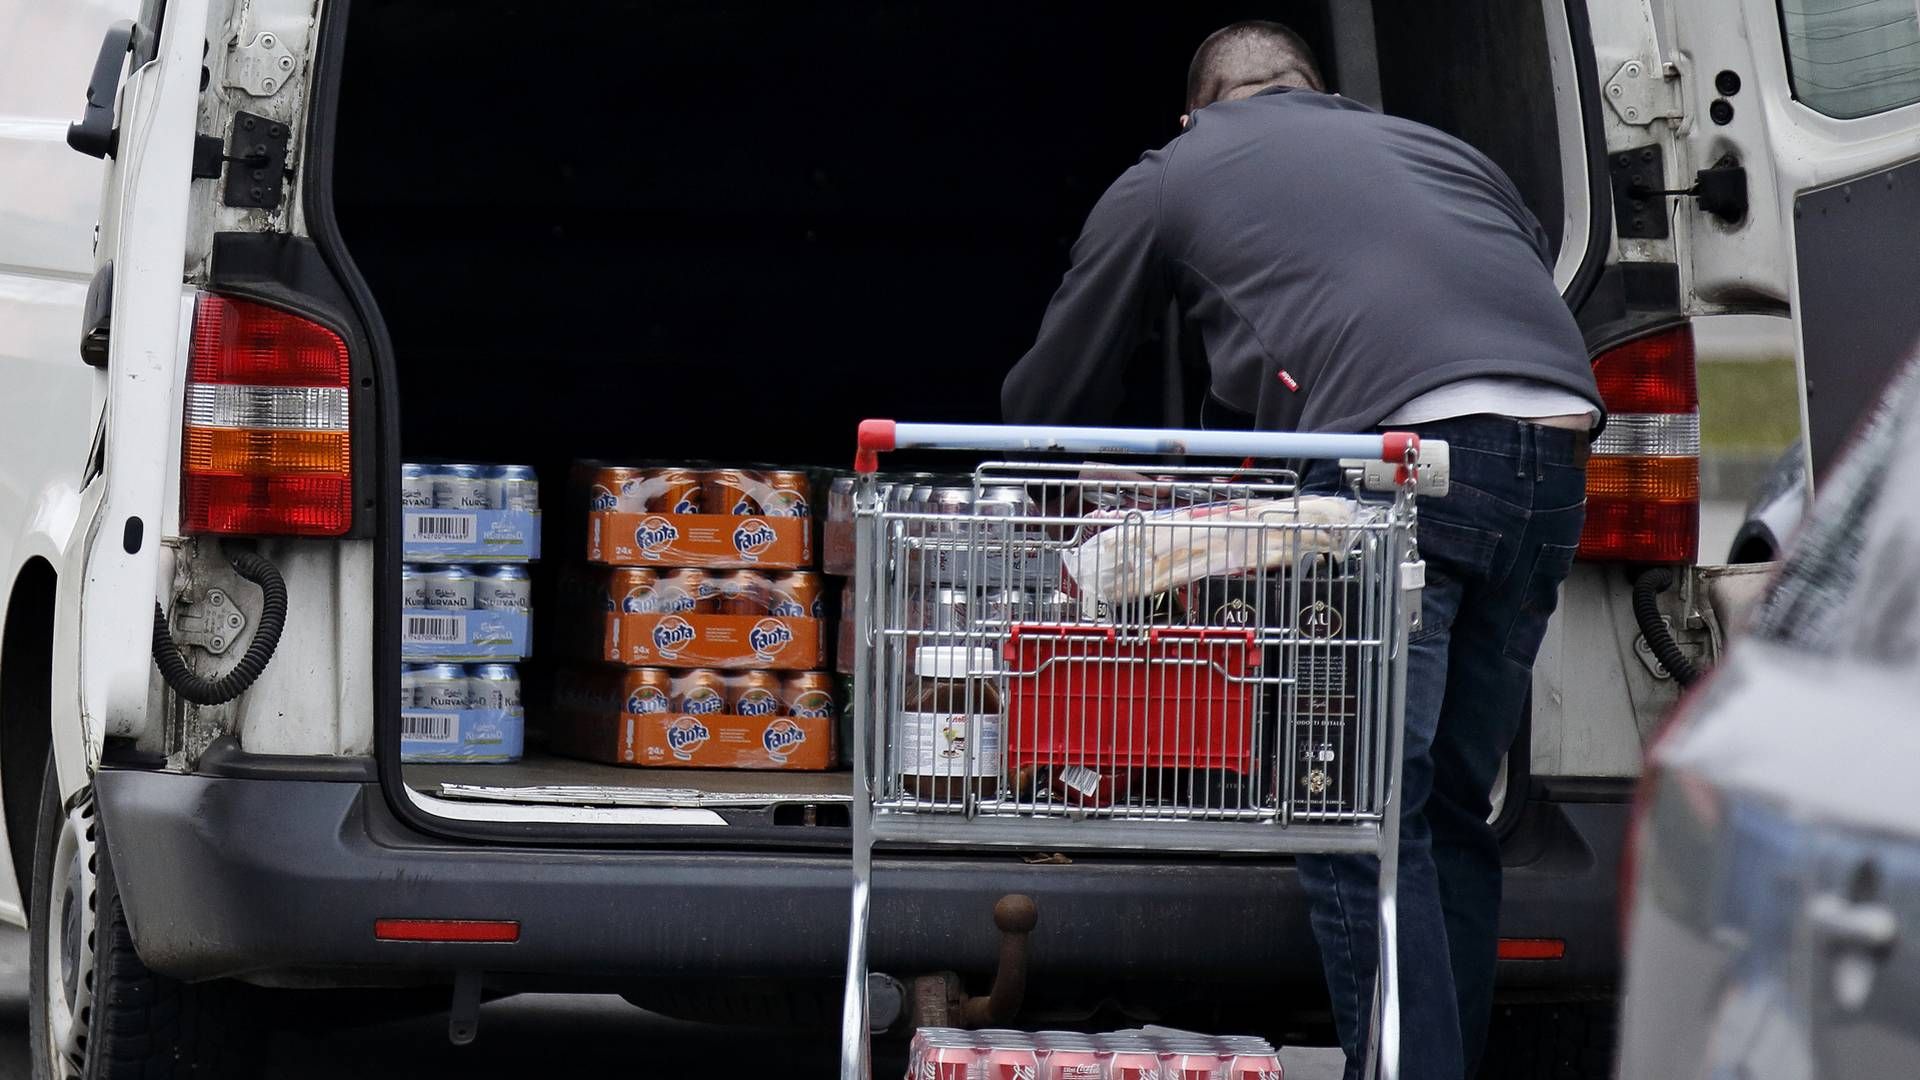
column 1398, row 464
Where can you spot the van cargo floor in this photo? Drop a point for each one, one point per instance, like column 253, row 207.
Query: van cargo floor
column 548, row 779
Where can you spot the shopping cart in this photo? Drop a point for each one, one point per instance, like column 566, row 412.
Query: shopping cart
column 1176, row 658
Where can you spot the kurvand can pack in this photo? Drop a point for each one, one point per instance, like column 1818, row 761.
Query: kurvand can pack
column 513, row 487
column 505, row 587
column 459, row 487
column 416, row 487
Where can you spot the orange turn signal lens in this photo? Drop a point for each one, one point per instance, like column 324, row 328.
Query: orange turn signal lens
column 267, row 451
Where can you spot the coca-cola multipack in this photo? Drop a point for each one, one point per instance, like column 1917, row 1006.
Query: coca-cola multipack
column 953, row 1054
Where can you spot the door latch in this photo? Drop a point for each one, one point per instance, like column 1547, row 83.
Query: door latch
column 259, row 161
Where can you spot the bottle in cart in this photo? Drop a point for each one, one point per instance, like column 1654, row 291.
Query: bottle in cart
column 949, row 734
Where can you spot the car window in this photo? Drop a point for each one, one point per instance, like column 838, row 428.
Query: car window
column 1850, row 58
column 1812, row 604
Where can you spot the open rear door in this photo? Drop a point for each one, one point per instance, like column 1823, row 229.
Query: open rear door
column 113, row 569
column 1841, row 93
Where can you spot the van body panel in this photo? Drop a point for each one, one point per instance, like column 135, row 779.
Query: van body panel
column 143, row 230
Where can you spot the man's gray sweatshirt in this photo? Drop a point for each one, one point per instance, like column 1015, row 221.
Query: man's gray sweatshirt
column 1337, row 262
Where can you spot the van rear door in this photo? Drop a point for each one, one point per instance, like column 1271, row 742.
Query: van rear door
column 111, row 579
column 1820, row 102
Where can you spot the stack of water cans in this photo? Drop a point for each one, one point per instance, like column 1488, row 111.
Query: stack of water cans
column 467, row 609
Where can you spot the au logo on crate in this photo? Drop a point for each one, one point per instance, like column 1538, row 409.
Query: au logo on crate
column 1321, row 620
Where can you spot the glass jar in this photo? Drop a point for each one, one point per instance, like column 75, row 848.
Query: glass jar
column 953, row 713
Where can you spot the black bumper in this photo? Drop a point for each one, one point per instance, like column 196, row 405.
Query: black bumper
column 282, row 880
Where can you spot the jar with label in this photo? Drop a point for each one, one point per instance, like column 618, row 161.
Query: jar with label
column 949, row 737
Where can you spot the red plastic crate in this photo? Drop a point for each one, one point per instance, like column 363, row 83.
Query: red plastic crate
column 1077, row 695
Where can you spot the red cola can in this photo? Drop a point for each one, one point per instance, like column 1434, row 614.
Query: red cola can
column 948, row 1060
column 1010, row 1063
column 1190, row 1065
column 1070, row 1063
column 1130, row 1065
column 1251, row 1066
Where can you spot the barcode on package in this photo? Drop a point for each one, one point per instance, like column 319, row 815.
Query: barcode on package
column 441, row 528
column 428, row 727
column 437, row 629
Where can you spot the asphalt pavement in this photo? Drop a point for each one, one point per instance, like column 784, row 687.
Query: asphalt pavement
column 528, row 1035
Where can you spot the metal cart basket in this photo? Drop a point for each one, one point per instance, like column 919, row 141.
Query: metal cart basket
column 1108, row 655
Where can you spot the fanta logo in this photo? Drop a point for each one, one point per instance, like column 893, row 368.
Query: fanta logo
column 672, row 634
column 742, row 507
column 685, row 735
column 753, row 536
column 640, row 602
column 787, row 607
column 647, row 699
column 768, row 637
column 705, row 702
column 782, row 736
column 686, row 506
column 653, row 535
column 603, row 499
column 757, row 703
column 814, row 704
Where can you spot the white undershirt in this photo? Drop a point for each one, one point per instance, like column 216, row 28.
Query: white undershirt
column 1494, row 395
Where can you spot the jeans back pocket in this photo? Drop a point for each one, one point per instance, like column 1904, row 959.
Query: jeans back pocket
column 1551, row 565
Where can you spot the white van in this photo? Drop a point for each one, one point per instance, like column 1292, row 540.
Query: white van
column 348, row 234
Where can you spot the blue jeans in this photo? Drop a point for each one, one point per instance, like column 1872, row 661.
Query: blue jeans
column 1497, row 548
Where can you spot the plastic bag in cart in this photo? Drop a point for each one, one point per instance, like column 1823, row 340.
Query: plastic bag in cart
column 1142, row 554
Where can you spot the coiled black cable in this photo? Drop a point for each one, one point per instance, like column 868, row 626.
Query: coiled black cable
column 1646, row 611
column 266, row 638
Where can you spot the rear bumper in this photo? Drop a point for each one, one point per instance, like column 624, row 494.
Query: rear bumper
column 282, row 879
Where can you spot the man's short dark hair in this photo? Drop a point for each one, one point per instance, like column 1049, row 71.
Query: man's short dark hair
column 1251, row 53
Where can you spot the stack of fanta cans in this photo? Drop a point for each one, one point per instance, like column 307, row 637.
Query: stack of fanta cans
column 467, row 603
column 954, row 1054
column 700, row 585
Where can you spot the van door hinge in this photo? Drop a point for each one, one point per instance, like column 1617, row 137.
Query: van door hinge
column 260, row 67
column 1643, row 91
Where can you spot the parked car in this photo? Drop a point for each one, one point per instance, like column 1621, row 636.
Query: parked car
column 1774, row 511
column 493, row 230
column 1776, row 873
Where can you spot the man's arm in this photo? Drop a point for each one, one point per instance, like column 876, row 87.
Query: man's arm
column 1098, row 315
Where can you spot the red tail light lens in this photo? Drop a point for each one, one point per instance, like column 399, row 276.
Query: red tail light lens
column 495, row 931
column 268, row 436
column 1643, row 481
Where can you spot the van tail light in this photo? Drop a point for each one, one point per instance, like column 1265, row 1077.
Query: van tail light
column 1643, row 480
column 268, row 441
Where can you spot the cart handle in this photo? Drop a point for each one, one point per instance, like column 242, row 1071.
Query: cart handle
column 879, row 436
